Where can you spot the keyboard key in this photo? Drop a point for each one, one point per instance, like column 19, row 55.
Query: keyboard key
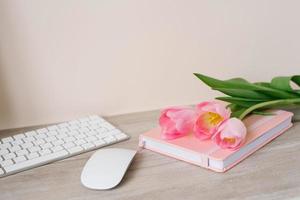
column 29, row 139
column 108, row 126
column 47, row 146
column 52, row 128
column 75, row 149
column 91, row 133
column 39, row 142
column 6, row 163
column 35, row 161
column 73, row 127
column 19, row 136
column 81, row 136
column 22, row 152
column 27, row 145
column 1, row 172
column 69, row 139
column 58, row 142
column 42, row 130
column 17, row 142
column 34, row 149
column 3, row 151
column 32, row 155
column 80, row 142
column 103, row 135
column 115, row 132
column 109, row 139
column 5, row 145
column 121, row 136
column 63, row 125
column 52, row 133
column 88, row 146
column 41, row 136
column 44, row 152
column 7, row 139
column 68, row 145
column 56, row 148
column 30, row 133
column 84, row 124
column 14, row 148
column 51, row 138
column 94, row 126
column 61, row 135
column 73, row 122
column 73, row 133
column 80, row 131
column 9, row 156
column 102, row 130
column 19, row 159
column 63, row 130
column 85, row 129
column 91, row 138
column 99, row 143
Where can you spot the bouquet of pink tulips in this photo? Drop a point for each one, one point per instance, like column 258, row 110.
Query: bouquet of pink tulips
column 208, row 120
column 223, row 123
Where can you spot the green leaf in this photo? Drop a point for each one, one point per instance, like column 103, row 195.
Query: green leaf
column 243, row 93
column 231, row 83
column 296, row 79
column 236, row 110
column 284, row 82
column 238, row 80
column 281, row 94
column 264, row 84
column 233, row 107
column 243, row 102
column 240, row 84
column 265, row 113
column 269, row 104
column 237, row 113
column 270, row 93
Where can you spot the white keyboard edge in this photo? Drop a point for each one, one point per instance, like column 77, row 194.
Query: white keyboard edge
column 39, row 164
column 61, row 158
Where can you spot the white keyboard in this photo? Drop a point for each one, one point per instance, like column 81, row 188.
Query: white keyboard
column 35, row 148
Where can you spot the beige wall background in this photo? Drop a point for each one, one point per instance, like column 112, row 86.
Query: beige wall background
column 63, row 59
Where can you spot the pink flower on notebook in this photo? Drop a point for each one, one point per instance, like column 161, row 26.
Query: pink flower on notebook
column 210, row 115
column 231, row 134
column 209, row 120
column 176, row 122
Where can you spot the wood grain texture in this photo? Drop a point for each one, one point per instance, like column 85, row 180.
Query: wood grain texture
column 272, row 172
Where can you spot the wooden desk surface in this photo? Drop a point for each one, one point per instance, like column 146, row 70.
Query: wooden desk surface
column 273, row 172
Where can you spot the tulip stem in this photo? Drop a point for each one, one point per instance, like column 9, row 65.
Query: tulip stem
column 280, row 102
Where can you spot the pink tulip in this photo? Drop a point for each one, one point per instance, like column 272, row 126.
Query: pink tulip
column 231, row 134
column 210, row 115
column 176, row 122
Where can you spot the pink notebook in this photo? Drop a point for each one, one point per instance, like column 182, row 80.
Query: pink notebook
column 260, row 131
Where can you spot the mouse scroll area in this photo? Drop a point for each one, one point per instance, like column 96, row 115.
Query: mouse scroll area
column 106, row 168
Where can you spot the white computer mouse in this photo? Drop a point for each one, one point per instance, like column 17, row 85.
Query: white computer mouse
column 106, row 168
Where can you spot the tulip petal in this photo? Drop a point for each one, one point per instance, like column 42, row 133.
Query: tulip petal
column 176, row 122
column 210, row 115
column 231, row 134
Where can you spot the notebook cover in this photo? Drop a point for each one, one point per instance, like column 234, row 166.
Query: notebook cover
column 256, row 125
